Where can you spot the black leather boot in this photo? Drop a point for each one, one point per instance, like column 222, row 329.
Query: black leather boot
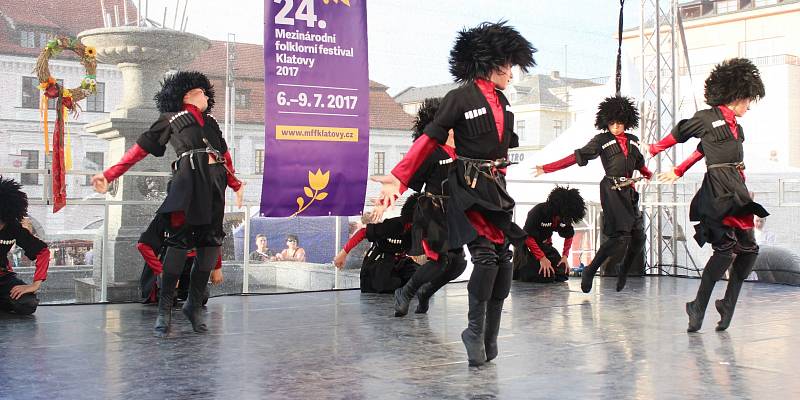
column 193, row 308
column 494, row 310
column 714, row 270
column 424, row 295
column 403, row 296
column 587, row 277
column 173, row 261
column 473, row 335
column 742, row 266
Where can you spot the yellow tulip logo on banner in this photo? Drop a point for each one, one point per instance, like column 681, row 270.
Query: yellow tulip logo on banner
column 345, row 2
column 316, row 183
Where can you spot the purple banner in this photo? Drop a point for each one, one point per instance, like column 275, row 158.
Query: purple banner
column 316, row 107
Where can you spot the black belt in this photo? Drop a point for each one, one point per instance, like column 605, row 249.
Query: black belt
column 621, row 182
column 738, row 165
column 475, row 167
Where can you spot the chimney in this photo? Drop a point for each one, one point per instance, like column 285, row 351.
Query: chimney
column 555, row 75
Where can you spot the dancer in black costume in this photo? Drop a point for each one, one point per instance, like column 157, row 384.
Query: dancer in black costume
column 195, row 199
column 479, row 210
column 723, row 207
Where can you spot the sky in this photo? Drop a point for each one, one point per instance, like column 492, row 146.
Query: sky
column 409, row 40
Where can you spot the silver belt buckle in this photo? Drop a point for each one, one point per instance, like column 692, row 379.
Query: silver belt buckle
column 622, row 179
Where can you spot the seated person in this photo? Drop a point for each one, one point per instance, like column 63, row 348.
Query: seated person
column 293, row 251
column 386, row 266
column 563, row 208
column 16, row 296
column 262, row 253
column 152, row 247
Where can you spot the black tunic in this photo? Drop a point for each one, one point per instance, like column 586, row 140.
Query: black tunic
column 13, row 234
column 386, row 266
column 468, row 113
column 539, row 224
column 430, row 222
column 195, row 185
column 723, row 191
column 620, row 207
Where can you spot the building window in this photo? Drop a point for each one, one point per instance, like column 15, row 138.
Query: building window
column 762, row 3
column 379, row 164
column 92, row 162
column 32, row 162
column 558, row 127
column 259, row 161
column 43, row 38
column 692, row 12
column 31, row 93
column 243, row 98
column 727, row 6
column 97, row 101
column 521, row 130
column 27, row 39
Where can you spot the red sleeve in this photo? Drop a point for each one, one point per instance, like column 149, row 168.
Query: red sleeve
column 150, row 258
column 560, row 164
column 534, row 248
column 233, row 182
column 219, row 262
column 665, row 143
column 131, row 157
column 42, row 263
column 646, row 172
column 420, row 150
column 355, row 239
column 687, row 163
column 567, row 246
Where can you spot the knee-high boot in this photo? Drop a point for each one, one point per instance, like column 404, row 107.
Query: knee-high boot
column 403, row 295
column 174, row 259
column 742, row 266
column 714, row 270
column 193, row 308
column 494, row 310
column 612, row 251
column 473, row 335
column 634, row 251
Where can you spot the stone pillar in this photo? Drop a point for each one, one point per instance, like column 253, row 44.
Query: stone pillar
column 143, row 55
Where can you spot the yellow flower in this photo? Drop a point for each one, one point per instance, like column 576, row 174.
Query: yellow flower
column 318, row 180
column 66, row 93
column 90, row 52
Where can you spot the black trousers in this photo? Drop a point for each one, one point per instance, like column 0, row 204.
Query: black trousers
column 438, row 273
column 527, row 267
column 492, row 269
column 24, row 305
column 735, row 242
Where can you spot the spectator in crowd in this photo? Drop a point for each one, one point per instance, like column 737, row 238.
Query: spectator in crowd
column 88, row 257
column 762, row 235
column 262, row 253
column 293, row 251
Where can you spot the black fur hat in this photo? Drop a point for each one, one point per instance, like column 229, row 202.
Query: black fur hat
column 15, row 202
column 732, row 80
column 568, row 203
column 425, row 115
column 175, row 86
column 407, row 212
column 617, row 109
column 479, row 51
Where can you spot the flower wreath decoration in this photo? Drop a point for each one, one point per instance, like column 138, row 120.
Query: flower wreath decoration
column 66, row 102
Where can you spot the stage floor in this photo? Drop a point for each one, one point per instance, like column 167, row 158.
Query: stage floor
column 555, row 343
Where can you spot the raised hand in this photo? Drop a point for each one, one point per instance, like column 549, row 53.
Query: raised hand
column 100, row 183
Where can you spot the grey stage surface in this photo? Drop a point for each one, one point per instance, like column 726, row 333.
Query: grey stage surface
column 555, row 342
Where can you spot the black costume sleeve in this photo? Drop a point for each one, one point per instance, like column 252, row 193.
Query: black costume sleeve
column 445, row 119
column 688, row 128
column 514, row 141
column 590, row 151
column 29, row 243
column 155, row 140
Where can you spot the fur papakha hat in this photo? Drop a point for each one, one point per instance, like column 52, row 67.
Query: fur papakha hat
column 480, row 50
column 175, row 86
column 14, row 206
column 617, row 109
column 425, row 115
column 731, row 80
column 568, row 203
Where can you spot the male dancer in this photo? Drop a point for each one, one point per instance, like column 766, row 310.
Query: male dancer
column 196, row 194
column 386, row 265
column 429, row 231
column 723, row 207
column 563, row 208
column 619, row 153
column 479, row 208
column 15, row 295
